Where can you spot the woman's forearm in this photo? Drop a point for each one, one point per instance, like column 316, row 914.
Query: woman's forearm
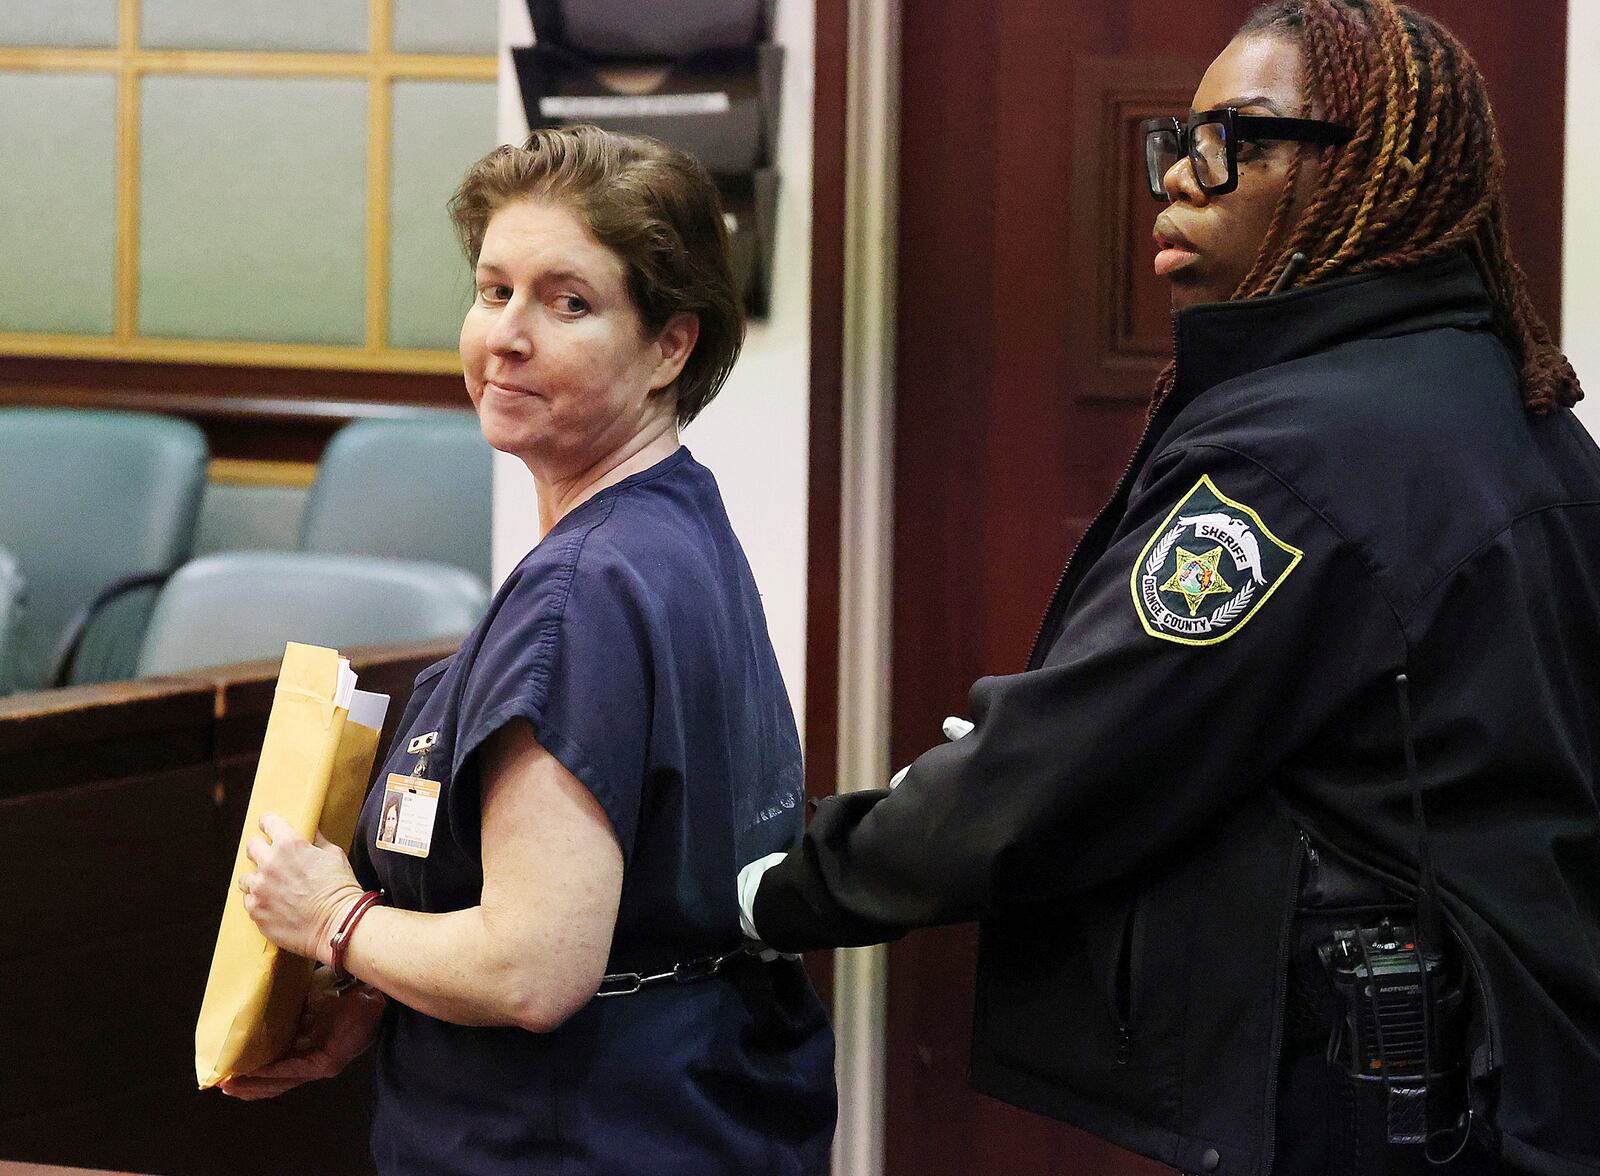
column 459, row 967
column 530, row 954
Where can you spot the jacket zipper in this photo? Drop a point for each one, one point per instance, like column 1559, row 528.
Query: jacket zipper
column 1122, row 998
column 1066, row 570
column 1312, row 860
column 1116, row 491
column 1280, row 991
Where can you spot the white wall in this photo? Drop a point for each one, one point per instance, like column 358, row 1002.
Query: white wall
column 1580, row 245
column 755, row 435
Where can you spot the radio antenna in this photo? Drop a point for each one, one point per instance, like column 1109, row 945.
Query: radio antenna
column 1297, row 262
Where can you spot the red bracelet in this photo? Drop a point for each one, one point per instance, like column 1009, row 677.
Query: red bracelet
column 341, row 938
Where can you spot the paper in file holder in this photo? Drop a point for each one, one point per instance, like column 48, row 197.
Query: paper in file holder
column 661, row 30
column 719, row 105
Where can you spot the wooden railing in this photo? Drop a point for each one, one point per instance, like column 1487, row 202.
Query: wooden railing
column 120, row 812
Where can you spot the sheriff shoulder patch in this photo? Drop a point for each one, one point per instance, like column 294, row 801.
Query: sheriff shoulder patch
column 1208, row 568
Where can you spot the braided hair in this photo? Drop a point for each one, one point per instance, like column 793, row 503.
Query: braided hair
column 1421, row 175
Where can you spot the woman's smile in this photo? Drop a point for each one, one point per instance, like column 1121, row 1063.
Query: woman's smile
column 507, row 389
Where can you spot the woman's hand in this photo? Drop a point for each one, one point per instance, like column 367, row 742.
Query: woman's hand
column 334, row 1030
column 299, row 889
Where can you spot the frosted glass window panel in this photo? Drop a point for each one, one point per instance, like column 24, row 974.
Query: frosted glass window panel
column 58, row 203
column 446, row 26
column 71, row 23
column 317, row 26
column 252, row 209
column 440, row 128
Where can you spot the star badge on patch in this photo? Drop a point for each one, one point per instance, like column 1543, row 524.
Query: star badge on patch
column 1208, row 568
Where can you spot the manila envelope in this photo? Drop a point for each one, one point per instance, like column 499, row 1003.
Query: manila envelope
column 322, row 737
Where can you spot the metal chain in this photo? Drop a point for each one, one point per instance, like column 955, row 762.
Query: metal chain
column 702, row 968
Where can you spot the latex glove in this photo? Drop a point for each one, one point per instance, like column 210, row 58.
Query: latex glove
column 749, row 883
column 954, row 728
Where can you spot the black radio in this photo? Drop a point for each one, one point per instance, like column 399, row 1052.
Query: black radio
column 1401, row 1019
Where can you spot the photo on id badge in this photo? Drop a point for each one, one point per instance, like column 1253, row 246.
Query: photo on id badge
column 405, row 823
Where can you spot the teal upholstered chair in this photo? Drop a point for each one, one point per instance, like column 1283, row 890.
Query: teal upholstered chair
column 239, row 606
column 416, row 489
column 88, row 499
column 12, row 602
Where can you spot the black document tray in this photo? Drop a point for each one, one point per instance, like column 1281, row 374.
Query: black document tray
column 750, row 207
column 719, row 105
column 661, row 30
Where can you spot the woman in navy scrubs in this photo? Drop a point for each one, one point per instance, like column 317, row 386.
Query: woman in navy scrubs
column 607, row 747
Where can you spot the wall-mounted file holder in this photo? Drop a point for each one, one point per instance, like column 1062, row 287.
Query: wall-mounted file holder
column 650, row 29
column 719, row 105
column 750, row 206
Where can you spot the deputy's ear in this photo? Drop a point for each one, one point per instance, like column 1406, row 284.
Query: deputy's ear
column 675, row 343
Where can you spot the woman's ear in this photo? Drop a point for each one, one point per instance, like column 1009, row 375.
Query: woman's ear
column 674, row 344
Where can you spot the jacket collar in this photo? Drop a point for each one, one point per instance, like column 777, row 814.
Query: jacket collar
column 1219, row 341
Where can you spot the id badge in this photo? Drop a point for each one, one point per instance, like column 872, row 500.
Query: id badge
column 405, row 823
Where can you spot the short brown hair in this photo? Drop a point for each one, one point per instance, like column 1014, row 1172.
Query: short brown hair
column 652, row 205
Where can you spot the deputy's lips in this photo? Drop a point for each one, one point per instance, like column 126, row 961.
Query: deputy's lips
column 1173, row 258
column 1174, row 250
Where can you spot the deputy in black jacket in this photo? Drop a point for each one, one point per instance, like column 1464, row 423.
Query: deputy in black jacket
column 1361, row 466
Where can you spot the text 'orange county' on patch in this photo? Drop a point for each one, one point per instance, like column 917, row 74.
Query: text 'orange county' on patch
column 1208, row 568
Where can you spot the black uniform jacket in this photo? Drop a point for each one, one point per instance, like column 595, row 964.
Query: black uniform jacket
column 1343, row 486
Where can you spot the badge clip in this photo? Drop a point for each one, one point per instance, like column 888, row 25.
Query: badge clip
column 420, row 747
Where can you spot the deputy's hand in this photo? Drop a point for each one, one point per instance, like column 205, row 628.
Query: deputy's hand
column 954, row 728
column 749, row 883
column 334, row 1030
column 750, row 876
column 300, row 889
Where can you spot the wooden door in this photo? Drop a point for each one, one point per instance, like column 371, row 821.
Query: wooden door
column 1030, row 330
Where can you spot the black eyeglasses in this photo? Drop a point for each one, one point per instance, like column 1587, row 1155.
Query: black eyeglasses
column 1211, row 141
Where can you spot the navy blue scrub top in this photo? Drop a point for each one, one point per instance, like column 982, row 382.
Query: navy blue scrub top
column 633, row 640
